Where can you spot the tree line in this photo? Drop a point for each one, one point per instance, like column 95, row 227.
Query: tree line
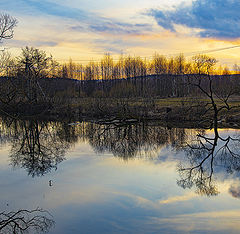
column 107, row 68
column 35, row 80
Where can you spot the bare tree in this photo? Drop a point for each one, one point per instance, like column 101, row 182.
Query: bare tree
column 7, row 64
column 33, row 64
column 207, row 85
column 7, row 24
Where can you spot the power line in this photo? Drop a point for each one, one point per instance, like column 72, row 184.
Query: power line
column 188, row 54
column 215, row 50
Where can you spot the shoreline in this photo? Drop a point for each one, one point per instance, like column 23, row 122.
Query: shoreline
column 161, row 119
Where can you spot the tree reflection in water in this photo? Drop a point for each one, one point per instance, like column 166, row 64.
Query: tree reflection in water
column 25, row 221
column 39, row 147
column 132, row 140
column 204, row 156
column 36, row 146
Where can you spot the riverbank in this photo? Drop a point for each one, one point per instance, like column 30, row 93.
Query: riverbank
column 190, row 110
column 175, row 112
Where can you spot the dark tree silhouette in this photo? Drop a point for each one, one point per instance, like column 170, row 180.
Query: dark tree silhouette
column 217, row 97
column 7, row 25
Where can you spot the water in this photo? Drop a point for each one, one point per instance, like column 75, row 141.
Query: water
column 139, row 178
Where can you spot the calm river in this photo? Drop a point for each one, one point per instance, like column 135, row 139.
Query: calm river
column 138, row 178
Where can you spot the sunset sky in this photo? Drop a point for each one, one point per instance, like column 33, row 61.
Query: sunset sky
column 85, row 30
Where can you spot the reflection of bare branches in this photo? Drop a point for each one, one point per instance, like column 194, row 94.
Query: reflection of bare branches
column 131, row 140
column 36, row 150
column 204, row 154
column 23, row 221
column 40, row 146
column 36, row 146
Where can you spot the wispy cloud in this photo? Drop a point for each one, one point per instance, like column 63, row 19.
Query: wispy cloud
column 112, row 46
column 112, row 27
column 35, row 43
column 44, row 7
column 185, row 197
column 120, row 28
column 83, row 20
column 215, row 18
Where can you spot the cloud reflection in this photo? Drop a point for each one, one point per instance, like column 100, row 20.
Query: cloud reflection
column 215, row 222
column 234, row 190
column 182, row 198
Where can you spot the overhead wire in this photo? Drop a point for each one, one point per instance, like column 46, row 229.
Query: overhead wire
column 187, row 54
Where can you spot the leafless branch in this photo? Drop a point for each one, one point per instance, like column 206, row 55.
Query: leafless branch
column 7, row 24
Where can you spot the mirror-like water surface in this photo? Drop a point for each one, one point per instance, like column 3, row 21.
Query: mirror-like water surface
column 140, row 178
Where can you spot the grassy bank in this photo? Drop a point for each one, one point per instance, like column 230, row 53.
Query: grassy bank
column 168, row 110
column 192, row 110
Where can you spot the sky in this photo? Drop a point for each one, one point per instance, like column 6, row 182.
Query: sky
column 85, row 30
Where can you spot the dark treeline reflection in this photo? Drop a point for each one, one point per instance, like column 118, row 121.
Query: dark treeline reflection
column 39, row 146
column 131, row 140
column 206, row 156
